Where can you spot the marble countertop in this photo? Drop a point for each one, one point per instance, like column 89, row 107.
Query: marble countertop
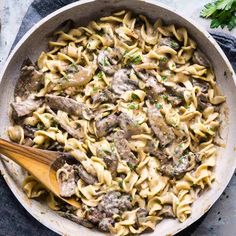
column 221, row 218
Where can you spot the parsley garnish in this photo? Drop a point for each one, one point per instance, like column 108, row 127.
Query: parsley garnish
column 163, row 59
column 133, row 106
column 74, row 65
column 100, row 75
column 163, row 78
column 165, row 97
column 136, row 59
column 95, row 89
column 159, row 106
column 221, row 13
column 121, row 184
column 134, row 96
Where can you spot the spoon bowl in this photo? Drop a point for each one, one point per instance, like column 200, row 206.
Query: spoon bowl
column 39, row 163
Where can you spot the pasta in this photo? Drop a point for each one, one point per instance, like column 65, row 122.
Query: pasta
column 137, row 106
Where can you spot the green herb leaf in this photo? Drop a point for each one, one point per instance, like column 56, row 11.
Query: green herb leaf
column 159, row 106
column 163, row 59
column 208, row 10
column 121, row 184
column 134, row 96
column 222, row 13
column 163, row 78
column 133, row 106
column 165, row 97
column 224, row 4
column 100, row 75
column 136, row 59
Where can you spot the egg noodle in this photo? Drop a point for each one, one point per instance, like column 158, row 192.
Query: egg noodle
column 137, row 107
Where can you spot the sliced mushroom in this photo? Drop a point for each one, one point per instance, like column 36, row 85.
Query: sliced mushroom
column 30, row 80
column 104, row 96
column 108, row 60
column 170, row 42
column 112, row 203
column 163, row 132
column 105, row 125
column 141, row 216
column 154, row 88
column 110, row 159
column 200, row 59
column 67, row 180
column 128, row 125
column 123, row 149
column 180, row 166
column 85, row 176
column 122, row 83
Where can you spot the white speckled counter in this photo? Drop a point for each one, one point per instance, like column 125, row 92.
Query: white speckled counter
column 221, row 219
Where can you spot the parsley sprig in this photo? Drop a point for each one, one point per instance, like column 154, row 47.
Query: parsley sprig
column 221, row 12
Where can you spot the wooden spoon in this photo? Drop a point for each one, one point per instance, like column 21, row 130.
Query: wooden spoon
column 39, row 163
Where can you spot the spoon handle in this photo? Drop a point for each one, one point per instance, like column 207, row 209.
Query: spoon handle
column 24, row 155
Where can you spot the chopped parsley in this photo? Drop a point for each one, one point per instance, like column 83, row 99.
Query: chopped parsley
column 100, row 75
column 165, row 97
column 74, row 65
column 101, row 32
column 134, row 96
column 159, row 106
column 133, row 106
column 174, row 45
column 221, row 12
column 121, row 184
column 95, row 89
column 131, row 166
column 163, row 59
column 135, row 59
column 163, row 78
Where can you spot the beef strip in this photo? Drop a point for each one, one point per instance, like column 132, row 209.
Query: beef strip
column 85, row 176
column 122, row 83
column 105, row 125
column 200, row 59
column 123, row 149
column 112, row 203
column 110, row 159
column 104, row 96
column 26, row 107
column 67, row 180
column 30, row 80
column 170, row 42
column 163, row 132
column 76, row 219
column 128, row 125
column 68, row 105
column 154, row 88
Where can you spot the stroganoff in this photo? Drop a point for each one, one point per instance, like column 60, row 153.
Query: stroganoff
column 137, row 106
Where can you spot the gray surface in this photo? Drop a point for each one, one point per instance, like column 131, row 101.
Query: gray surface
column 15, row 220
